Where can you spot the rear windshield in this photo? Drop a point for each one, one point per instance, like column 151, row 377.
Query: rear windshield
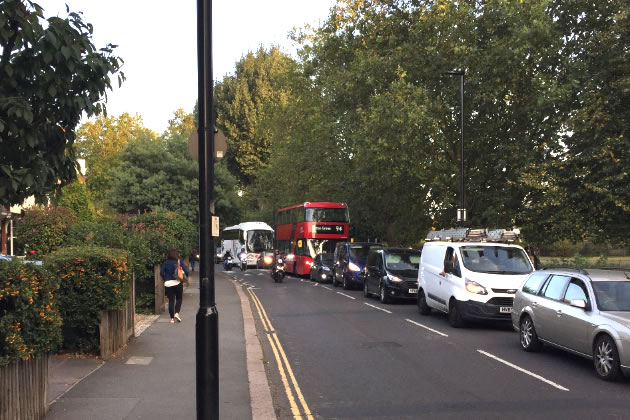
column 612, row 295
column 496, row 259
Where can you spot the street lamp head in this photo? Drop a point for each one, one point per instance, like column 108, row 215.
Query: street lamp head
column 455, row 72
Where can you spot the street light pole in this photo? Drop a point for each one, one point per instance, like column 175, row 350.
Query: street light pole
column 207, row 320
column 461, row 212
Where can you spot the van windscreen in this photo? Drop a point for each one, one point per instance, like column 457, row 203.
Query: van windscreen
column 495, row 259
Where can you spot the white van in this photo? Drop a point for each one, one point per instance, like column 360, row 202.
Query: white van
column 470, row 280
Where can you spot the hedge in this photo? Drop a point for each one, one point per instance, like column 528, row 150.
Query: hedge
column 92, row 279
column 44, row 230
column 30, row 323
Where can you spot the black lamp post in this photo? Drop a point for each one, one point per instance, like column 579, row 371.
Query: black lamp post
column 207, row 320
column 461, row 212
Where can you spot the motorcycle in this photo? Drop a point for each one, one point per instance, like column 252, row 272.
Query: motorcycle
column 243, row 258
column 227, row 263
column 277, row 271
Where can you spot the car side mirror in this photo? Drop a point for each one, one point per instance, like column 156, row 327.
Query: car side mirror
column 578, row 303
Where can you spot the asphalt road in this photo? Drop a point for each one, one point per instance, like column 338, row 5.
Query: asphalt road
column 334, row 354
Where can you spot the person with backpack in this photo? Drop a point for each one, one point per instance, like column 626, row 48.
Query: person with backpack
column 172, row 272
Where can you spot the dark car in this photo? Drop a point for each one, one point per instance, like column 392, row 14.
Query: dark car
column 350, row 258
column 392, row 273
column 322, row 267
column 265, row 259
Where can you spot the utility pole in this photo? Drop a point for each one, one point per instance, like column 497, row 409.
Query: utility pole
column 461, row 212
column 207, row 320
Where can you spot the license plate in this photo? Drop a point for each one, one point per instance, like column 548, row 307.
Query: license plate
column 412, row 291
column 505, row 309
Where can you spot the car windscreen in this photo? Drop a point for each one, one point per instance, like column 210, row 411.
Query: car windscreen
column 405, row 263
column 612, row 295
column 359, row 252
column 328, row 260
column 259, row 240
column 495, row 259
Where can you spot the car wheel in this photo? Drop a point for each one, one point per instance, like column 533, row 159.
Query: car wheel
column 366, row 293
column 423, row 308
column 606, row 359
column 454, row 315
column 345, row 284
column 529, row 338
column 384, row 298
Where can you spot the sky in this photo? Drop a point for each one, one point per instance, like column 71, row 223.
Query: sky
column 157, row 40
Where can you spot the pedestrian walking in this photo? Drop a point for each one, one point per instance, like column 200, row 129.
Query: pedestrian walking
column 194, row 257
column 173, row 287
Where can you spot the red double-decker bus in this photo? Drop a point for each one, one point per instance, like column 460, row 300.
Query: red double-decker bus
column 307, row 229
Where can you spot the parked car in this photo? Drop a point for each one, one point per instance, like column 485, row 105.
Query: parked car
column 583, row 312
column 322, row 268
column 350, row 258
column 392, row 273
column 470, row 279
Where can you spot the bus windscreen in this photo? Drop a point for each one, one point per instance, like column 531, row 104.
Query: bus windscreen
column 259, row 240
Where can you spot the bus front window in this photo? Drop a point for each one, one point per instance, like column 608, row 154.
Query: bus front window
column 259, row 240
column 319, row 246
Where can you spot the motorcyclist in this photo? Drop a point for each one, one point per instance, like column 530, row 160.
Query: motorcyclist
column 227, row 255
column 242, row 256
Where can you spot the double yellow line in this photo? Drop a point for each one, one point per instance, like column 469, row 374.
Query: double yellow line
column 283, row 364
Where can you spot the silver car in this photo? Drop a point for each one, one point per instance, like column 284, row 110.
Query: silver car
column 583, row 312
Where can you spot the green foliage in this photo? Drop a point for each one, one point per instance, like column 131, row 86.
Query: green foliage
column 100, row 143
column 145, row 302
column 244, row 102
column 93, row 279
column 155, row 174
column 51, row 74
column 76, row 198
column 30, row 324
column 44, row 229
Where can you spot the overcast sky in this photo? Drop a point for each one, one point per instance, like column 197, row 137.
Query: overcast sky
column 157, row 39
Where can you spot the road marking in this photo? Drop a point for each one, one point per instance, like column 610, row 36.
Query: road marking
column 253, row 288
column 376, row 307
column 281, row 357
column 343, row 294
column 315, row 284
column 427, row 328
column 520, row 369
column 326, row 287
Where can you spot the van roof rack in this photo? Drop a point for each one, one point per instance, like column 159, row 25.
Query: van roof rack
column 476, row 235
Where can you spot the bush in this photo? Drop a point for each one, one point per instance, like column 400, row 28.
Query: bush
column 44, row 230
column 93, row 279
column 30, row 323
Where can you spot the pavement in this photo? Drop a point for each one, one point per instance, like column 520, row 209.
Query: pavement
column 154, row 377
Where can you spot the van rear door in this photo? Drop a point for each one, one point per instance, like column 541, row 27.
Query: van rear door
column 431, row 266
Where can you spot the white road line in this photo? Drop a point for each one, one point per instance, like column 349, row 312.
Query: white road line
column 527, row 372
column 376, row 307
column 315, row 284
column 427, row 328
column 343, row 294
column 253, row 288
column 325, row 287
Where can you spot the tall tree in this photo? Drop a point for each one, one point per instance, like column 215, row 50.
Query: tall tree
column 51, row 74
column 246, row 99
column 100, row 143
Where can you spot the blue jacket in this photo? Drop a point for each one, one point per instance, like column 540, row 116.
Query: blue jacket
column 168, row 270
